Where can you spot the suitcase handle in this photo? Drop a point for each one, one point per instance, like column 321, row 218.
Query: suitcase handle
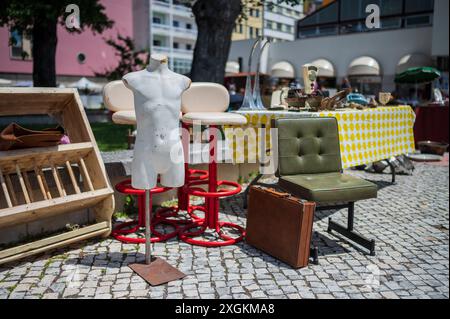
column 278, row 194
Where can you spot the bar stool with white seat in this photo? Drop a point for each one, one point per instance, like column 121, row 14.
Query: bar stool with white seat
column 205, row 104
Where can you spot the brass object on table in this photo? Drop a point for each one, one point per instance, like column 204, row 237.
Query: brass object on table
column 314, row 103
column 330, row 103
column 296, row 99
column 384, row 98
column 373, row 103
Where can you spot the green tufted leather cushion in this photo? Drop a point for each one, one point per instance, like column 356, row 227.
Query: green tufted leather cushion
column 310, row 162
column 308, row 146
column 329, row 187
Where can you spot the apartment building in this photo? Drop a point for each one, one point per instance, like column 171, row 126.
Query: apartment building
column 173, row 33
column 276, row 21
column 173, row 30
column 250, row 24
column 280, row 20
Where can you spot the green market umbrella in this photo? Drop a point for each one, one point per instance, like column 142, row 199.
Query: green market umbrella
column 418, row 75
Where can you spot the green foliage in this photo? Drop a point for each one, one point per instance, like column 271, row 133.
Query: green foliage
column 129, row 205
column 24, row 14
column 130, row 60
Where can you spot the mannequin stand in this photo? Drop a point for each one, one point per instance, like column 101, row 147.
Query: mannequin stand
column 155, row 271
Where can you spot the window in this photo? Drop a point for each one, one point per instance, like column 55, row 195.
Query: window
column 417, row 21
column 412, row 6
column 188, row 26
column 279, row 26
column 257, row 13
column 251, row 12
column 176, row 45
column 81, row 58
column 307, row 32
column 189, row 47
column 20, row 45
column 182, row 66
column 176, row 23
column 288, row 28
column 241, row 29
column 328, row 30
column 257, row 32
column 157, row 43
column 250, row 30
column 391, row 23
column 157, row 20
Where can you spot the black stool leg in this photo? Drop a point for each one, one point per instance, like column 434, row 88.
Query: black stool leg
column 314, row 255
column 393, row 173
column 349, row 233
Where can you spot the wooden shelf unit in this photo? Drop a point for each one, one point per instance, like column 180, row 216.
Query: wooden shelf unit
column 89, row 186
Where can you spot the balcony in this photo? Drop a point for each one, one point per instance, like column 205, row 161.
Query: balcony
column 176, row 32
column 175, row 9
column 180, row 53
column 161, row 29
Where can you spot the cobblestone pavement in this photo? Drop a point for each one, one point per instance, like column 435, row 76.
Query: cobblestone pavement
column 409, row 220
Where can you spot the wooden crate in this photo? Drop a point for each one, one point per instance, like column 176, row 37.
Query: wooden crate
column 89, row 186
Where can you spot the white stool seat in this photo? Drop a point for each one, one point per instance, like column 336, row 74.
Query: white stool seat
column 214, row 118
column 124, row 118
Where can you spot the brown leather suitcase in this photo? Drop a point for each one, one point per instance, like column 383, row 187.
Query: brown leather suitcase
column 280, row 225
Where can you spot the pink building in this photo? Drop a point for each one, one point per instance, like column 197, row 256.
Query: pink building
column 77, row 54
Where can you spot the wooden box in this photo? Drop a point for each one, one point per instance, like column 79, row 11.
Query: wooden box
column 89, row 186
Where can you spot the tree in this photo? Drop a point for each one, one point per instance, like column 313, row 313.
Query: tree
column 129, row 58
column 216, row 20
column 40, row 19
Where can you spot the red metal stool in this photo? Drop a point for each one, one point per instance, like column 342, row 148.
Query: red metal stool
column 191, row 175
column 211, row 208
column 121, row 231
column 205, row 104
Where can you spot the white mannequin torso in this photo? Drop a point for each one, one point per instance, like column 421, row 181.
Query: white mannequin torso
column 157, row 98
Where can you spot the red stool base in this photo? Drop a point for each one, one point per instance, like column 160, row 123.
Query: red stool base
column 188, row 237
column 120, row 233
column 211, row 218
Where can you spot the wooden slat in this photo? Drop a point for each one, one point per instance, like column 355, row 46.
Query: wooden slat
column 44, row 182
column 11, row 190
column 52, row 242
column 85, row 173
column 58, row 184
column 22, row 185
column 48, row 208
column 5, row 189
column 28, row 185
column 72, row 177
column 40, row 180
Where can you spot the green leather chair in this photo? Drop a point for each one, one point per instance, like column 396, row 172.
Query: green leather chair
column 309, row 166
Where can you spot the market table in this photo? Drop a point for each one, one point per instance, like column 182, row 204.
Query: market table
column 366, row 136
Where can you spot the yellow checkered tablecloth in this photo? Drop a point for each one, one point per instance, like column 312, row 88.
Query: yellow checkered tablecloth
column 365, row 136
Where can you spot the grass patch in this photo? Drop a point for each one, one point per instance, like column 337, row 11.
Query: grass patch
column 110, row 136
